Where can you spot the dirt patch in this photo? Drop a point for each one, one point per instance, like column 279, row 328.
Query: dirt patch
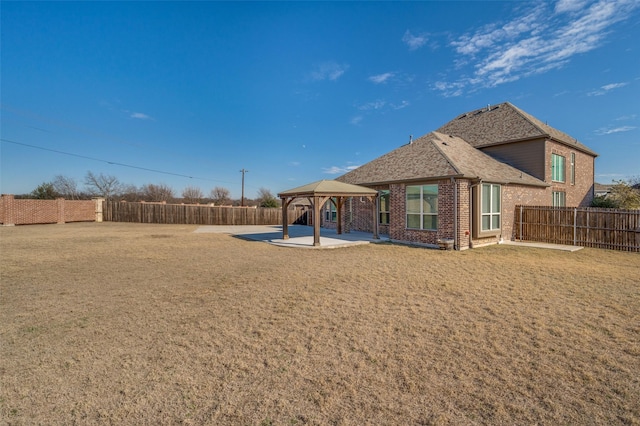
column 154, row 324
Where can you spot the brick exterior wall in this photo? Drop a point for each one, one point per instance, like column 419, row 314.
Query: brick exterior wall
column 358, row 215
column 579, row 194
column 29, row 212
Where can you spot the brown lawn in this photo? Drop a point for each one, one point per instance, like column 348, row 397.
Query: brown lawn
column 153, row 324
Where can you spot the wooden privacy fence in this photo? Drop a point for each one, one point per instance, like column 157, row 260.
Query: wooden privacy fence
column 579, row 226
column 117, row 211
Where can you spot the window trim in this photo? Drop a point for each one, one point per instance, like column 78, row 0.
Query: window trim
column 561, row 173
column 422, row 213
column 558, row 198
column 478, row 232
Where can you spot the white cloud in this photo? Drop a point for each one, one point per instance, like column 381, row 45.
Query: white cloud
column 356, row 120
column 329, row 71
column 401, row 105
column 381, row 78
column 607, row 87
column 627, row 117
column 534, row 42
column 335, row 170
column 414, row 41
column 605, row 131
column 569, row 5
column 140, row 116
column 377, row 104
column 294, row 163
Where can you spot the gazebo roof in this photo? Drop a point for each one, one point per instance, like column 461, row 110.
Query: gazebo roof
column 331, row 188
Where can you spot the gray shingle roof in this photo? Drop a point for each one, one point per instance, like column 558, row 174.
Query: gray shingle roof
column 436, row 155
column 504, row 123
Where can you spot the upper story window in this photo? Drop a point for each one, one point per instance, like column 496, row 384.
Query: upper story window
column 573, row 168
column 490, row 213
column 557, row 168
column 422, row 207
column 383, row 207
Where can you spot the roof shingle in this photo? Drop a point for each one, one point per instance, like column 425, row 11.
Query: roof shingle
column 505, row 123
column 433, row 156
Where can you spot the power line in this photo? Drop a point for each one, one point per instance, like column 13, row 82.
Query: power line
column 115, row 163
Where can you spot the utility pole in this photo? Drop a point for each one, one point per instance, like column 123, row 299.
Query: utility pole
column 243, row 171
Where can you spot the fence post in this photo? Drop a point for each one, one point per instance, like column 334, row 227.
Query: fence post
column 99, row 215
column 521, row 237
column 575, row 225
column 9, row 206
column 60, row 205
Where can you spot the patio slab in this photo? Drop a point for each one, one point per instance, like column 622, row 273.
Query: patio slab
column 300, row 236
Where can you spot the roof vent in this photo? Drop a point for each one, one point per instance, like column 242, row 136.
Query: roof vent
column 410, row 139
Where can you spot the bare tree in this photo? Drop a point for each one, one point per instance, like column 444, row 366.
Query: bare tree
column 106, row 186
column 221, row 195
column 153, row 192
column 266, row 198
column 192, row 195
column 67, row 187
column 130, row 193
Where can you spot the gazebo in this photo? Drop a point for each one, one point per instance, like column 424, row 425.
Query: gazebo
column 318, row 193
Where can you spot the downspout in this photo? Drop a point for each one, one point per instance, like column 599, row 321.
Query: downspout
column 471, row 211
column 456, row 246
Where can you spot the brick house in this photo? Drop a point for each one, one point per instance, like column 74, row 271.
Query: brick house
column 463, row 181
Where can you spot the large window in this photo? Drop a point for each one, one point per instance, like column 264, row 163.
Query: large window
column 422, row 206
column 559, row 199
column 383, row 207
column 490, row 213
column 557, row 168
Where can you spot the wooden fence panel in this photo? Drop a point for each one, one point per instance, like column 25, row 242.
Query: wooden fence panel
column 115, row 211
column 582, row 226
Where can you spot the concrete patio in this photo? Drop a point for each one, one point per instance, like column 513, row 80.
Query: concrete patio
column 300, row 236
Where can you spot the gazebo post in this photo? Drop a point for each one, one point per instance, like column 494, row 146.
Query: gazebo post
column 285, row 219
column 339, row 201
column 375, row 217
column 316, row 220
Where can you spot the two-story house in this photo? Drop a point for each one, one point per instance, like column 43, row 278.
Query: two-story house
column 463, row 181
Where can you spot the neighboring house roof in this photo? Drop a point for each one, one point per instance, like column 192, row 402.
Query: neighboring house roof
column 505, row 123
column 601, row 189
column 328, row 188
column 433, row 156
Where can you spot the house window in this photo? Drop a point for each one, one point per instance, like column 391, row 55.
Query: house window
column 557, row 168
column 490, row 213
column 559, row 199
column 422, row 207
column 573, row 168
column 330, row 214
column 383, row 207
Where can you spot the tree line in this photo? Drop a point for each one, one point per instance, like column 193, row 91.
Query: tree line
column 111, row 188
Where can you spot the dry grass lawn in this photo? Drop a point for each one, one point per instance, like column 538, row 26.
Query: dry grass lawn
column 152, row 324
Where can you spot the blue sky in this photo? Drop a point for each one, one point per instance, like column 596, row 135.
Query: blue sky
column 188, row 94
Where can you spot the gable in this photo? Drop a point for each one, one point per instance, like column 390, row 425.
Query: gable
column 505, row 123
column 436, row 156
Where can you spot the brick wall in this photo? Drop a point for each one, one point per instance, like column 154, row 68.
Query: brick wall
column 579, row 194
column 29, row 212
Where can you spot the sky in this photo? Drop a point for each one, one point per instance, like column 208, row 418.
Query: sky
column 188, row 94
